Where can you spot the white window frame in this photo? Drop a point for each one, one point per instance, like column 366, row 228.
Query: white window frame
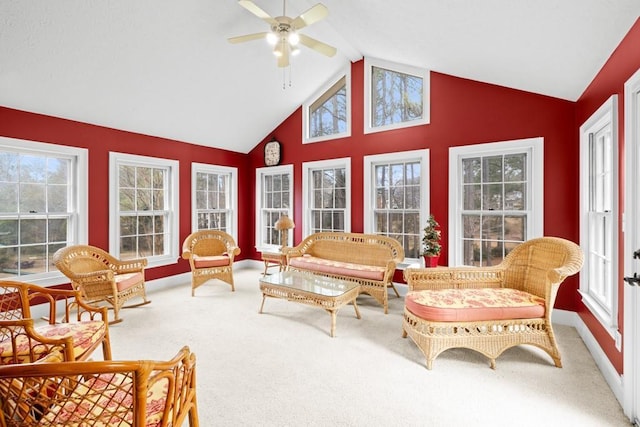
column 534, row 147
column 260, row 174
column 232, row 194
column 307, row 186
column 423, row 73
column 78, row 229
column 369, row 188
column 173, row 200
column 306, row 138
column 606, row 311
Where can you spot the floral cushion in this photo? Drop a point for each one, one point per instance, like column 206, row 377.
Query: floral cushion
column 108, row 399
column 211, row 261
column 339, row 268
column 85, row 335
column 127, row 280
column 450, row 305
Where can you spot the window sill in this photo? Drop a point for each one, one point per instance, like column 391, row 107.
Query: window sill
column 600, row 314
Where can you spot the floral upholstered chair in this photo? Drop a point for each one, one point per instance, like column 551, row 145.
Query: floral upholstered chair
column 99, row 393
column 210, row 254
column 102, row 278
column 75, row 331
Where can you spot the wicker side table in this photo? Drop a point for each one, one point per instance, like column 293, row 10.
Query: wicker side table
column 271, row 258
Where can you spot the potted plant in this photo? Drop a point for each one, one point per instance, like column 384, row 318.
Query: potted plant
column 431, row 243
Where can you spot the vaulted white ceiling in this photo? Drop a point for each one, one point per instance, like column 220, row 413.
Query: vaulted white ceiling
column 165, row 68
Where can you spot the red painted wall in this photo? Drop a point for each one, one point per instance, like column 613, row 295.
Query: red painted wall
column 100, row 141
column 463, row 112
column 620, row 66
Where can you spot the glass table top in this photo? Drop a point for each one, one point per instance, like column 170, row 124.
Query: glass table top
column 326, row 286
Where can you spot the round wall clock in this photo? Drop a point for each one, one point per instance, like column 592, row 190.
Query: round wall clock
column 272, row 151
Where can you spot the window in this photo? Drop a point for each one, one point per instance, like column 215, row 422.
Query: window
column 495, row 199
column 43, row 207
column 326, row 186
column 396, row 201
column 144, row 208
column 598, row 213
column 214, row 198
column 274, row 197
column 328, row 114
column 395, row 96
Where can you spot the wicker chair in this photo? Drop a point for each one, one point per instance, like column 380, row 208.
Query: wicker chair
column 210, row 254
column 79, row 331
column 101, row 278
column 99, row 393
column 536, row 268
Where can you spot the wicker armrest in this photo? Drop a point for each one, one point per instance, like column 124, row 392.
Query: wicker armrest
column 98, row 276
column 73, row 304
column 129, row 266
column 292, row 252
column 233, row 251
column 453, row 277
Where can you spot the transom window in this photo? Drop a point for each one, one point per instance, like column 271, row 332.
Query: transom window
column 328, row 113
column 214, row 197
column 492, row 189
column 598, row 225
column 326, row 185
column 395, row 96
column 41, row 188
column 144, row 207
column 274, row 199
column 396, row 198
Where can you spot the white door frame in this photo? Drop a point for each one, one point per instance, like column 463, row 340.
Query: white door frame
column 631, row 229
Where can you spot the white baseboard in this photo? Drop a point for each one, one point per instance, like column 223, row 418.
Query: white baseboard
column 611, row 376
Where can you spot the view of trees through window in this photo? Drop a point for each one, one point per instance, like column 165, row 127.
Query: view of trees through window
column 142, row 211
column 395, row 97
column 212, row 201
column 328, row 114
column 329, row 200
column 397, row 204
column 34, row 211
column 494, row 207
column 275, row 202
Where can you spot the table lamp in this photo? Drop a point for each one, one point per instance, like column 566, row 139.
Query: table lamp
column 283, row 225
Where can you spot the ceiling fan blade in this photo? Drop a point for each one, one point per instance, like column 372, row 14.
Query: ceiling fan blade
column 247, row 37
column 316, row 13
column 317, row 45
column 253, row 8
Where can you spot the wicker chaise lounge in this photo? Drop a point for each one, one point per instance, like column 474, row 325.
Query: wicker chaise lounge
column 490, row 309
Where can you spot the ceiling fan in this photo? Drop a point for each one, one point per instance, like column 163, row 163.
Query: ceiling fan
column 284, row 34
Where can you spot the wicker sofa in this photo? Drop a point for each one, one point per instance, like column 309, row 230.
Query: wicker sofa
column 490, row 309
column 368, row 259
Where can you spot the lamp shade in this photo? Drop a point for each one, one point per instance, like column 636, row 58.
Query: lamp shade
column 284, row 223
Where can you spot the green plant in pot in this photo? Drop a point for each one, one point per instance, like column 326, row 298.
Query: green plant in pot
column 431, row 243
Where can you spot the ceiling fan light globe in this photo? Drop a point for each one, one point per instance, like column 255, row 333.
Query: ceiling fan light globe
column 294, row 38
column 272, row 38
column 295, row 51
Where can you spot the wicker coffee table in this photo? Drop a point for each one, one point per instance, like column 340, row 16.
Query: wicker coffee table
column 310, row 289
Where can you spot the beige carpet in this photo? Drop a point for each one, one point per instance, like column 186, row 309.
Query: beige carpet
column 281, row 368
